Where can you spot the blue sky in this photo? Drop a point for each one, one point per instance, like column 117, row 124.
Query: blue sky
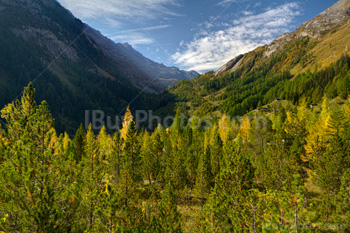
column 199, row 35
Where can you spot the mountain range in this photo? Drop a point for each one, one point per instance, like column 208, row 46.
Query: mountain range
column 307, row 64
column 74, row 67
column 165, row 76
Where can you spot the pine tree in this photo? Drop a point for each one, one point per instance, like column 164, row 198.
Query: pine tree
column 41, row 192
column 116, row 159
column 158, row 154
column 343, row 203
column 79, row 143
column 132, row 152
column 104, row 143
column 168, row 214
column 203, row 178
column 93, row 175
column 227, row 209
column 130, row 217
column 148, row 159
column 215, row 153
column 292, row 206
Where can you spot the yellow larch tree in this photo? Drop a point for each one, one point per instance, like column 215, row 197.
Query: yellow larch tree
column 104, row 143
column 224, row 127
column 245, row 128
column 128, row 118
column 318, row 133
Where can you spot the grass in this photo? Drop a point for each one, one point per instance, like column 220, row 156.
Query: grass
column 338, row 40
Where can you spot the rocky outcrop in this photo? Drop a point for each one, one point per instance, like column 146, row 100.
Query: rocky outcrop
column 230, row 66
column 328, row 20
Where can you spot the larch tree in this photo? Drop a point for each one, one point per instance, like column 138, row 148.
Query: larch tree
column 41, row 191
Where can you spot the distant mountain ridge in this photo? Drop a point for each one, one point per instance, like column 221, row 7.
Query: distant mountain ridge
column 79, row 73
column 165, row 76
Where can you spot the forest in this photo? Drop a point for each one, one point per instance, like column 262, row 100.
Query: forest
column 239, row 92
column 282, row 171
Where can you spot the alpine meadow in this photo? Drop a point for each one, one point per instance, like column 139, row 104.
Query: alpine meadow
column 95, row 137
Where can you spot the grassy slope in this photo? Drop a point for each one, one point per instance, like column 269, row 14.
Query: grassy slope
column 295, row 57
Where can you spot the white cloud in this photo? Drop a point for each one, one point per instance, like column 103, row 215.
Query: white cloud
column 114, row 14
column 225, row 3
column 258, row 4
column 211, row 50
column 146, row 29
column 119, row 10
column 135, row 38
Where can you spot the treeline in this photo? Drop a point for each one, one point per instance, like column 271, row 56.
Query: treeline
column 287, row 171
column 259, row 80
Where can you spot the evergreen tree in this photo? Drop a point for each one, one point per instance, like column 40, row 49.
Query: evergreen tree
column 343, row 203
column 132, row 152
column 41, row 193
column 203, row 178
column 116, row 158
column 227, row 209
column 79, row 143
column 168, row 214
column 215, row 153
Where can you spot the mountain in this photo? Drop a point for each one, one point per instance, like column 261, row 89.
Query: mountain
column 333, row 20
column 308, row 63
column 166, row 76
column 72, row 66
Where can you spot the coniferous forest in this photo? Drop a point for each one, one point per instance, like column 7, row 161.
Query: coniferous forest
column 261, row 145
column 282, row 171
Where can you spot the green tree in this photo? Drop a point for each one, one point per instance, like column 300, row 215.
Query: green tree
column 79, row 143
column 343, row 203
column 168, row 214
column 227, row 209
column 41, row 192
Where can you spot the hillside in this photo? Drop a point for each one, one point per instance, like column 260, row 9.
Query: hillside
column 41, row 41
column 266, row 150
column 294, row 66
column 164, row 76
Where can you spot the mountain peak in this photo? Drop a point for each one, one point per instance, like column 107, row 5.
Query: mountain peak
column 339, row 7
column 329, row 21
column 127, row 45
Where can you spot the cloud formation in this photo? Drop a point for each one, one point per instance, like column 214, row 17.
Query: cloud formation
column 212, row 49
column 119, row 9
column 137, row 36
column 115, row 13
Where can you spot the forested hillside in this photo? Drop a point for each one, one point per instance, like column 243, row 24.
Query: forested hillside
column 261, row 145
column 281, row 172
column 308, row 63
column 42, row 42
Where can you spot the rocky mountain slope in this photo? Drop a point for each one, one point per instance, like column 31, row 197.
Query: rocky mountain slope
column 306, row 64
column 336, row 17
